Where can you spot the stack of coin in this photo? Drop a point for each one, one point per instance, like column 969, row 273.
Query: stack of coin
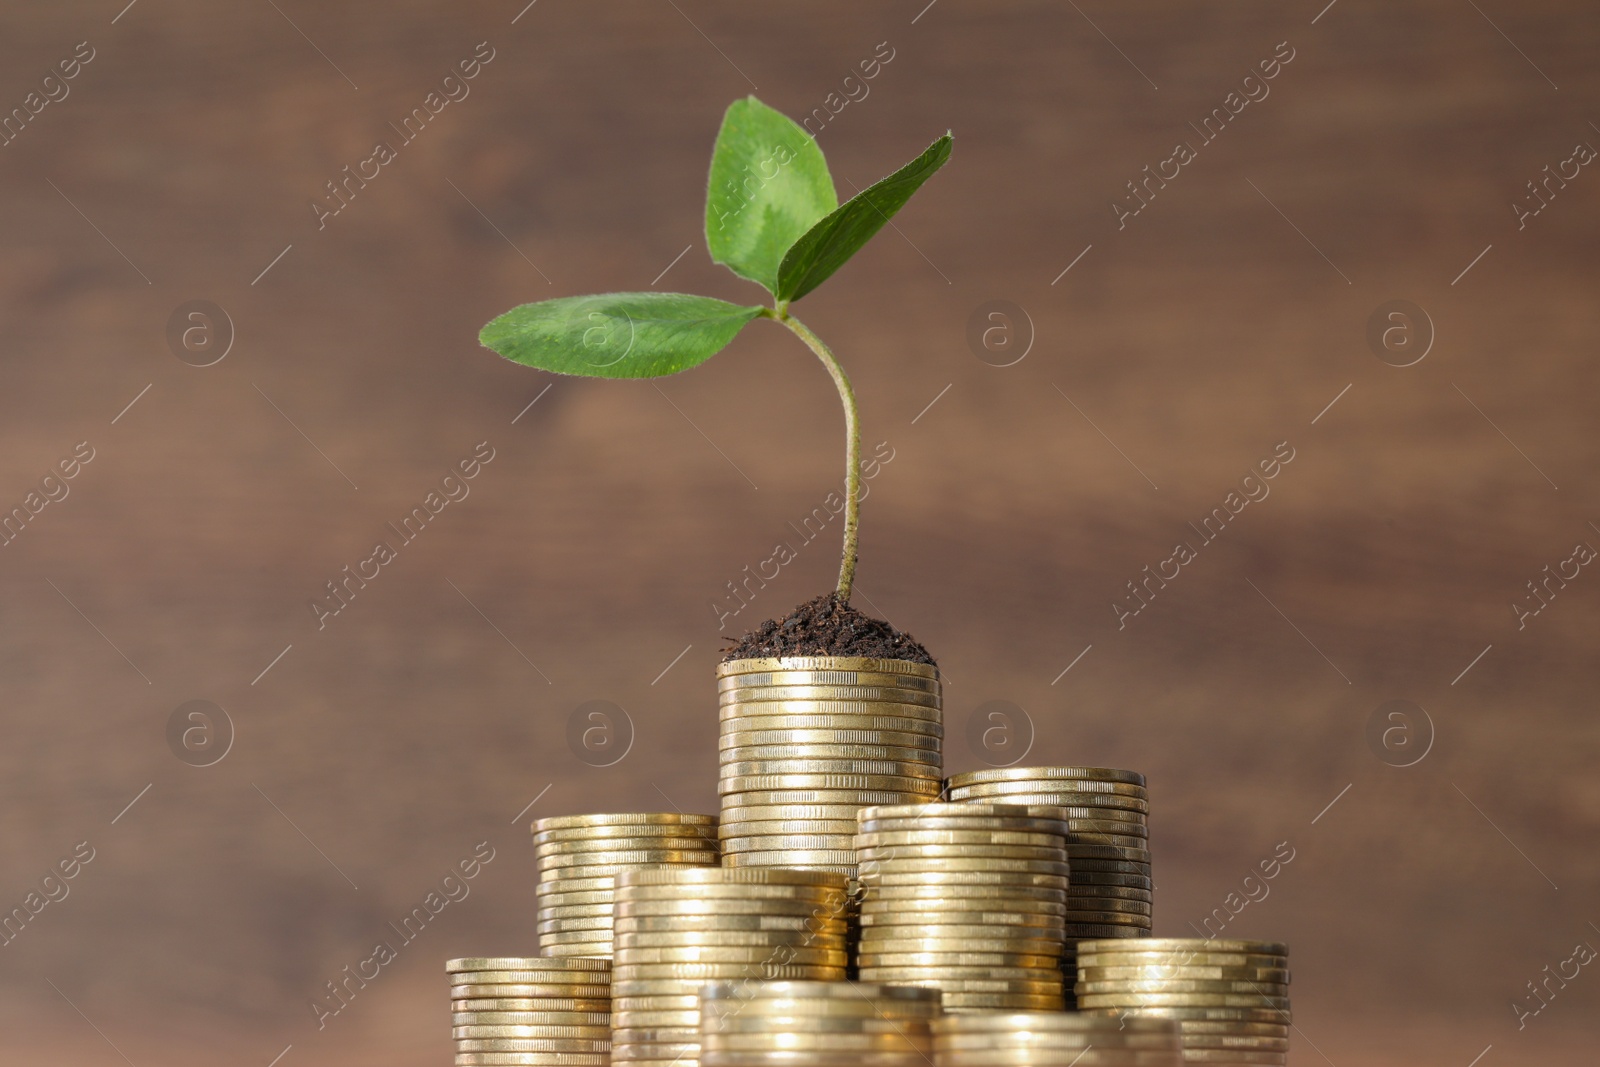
column 531, row 1010
column 579, row 854
column 809, row 740
column 1054, row 1039
column 1229, row 998
column 815, row 1024
column 1107, row 839
column 969, row 898
column 679, row 928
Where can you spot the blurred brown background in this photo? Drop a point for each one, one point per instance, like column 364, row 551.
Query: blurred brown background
column 422, row 720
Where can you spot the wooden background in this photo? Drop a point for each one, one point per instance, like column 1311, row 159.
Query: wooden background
column 1176, row 353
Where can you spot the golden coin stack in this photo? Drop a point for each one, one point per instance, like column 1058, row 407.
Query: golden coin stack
column 1111, row 894
column 807, row 741
column 1230, row 998
column 1054, row 1039
column 531, row 1010
column 816, row 1024
column 578, row 855
column 969, row 898
column 679, row 928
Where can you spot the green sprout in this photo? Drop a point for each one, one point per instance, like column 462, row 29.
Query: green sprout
column 772, row 217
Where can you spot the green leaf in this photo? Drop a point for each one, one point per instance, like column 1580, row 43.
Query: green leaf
column 617, row 335
column 769, row 184
column 826, row 246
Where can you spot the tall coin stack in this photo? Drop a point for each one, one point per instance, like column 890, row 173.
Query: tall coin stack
column 1111, row 894
column 1229, row 998
column 531, row 1010
column 578, row 856
column 679, row 928
column 969, row 898
column 1054, row 1039
column 809, row 740
column 816, row 1024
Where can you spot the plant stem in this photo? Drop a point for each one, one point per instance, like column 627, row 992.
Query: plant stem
column 852, row 429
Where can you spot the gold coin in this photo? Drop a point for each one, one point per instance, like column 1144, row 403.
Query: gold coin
column 572, row 911
column 948, row 873
column 766, row 679
column 701, row 852
column 699, row 827
column 831, row 937
column 477, row 1031
column 944, row 892
column 1064, row 795
column 811, row 920
column 736, row 733
column 732, row 667
column 1188, row 1017
column 734, row 755
column 536, row 991
column 684, row 842
column 1050, row 787
column 947, row 810
column 873, row 868
column 787, row 842
column 548, row 1059
column 1210, row 946
column 1165, row 986
column 568, row 926
column 568, row 822
column 695, row 914
column 1156, row 972
column 1123, row 954
column 994, row 921
column 580, row 899
column 991, row 952
column 855, row 694
column 892, row 838
column 1026, row 1023
column 531, row 1005
column 924, row 776
column 1133, row 1001
column 818, row 953
column 706, row 972
column 548, row 972
column 806, row 858
column 854, row 798
column 519, row 963
column 698, row 877
column 933, row 823
column 1093, row 893
column 748, row 813
column 900, row 855
column 534, row 1044
column 822, row 714
column 745, row 831
column 533, row 1018
column 1052, row 774
column 658, row 1019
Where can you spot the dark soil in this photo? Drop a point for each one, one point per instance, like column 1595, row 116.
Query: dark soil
column 826, row 627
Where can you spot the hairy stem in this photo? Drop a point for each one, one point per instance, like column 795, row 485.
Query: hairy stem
column 852, row 429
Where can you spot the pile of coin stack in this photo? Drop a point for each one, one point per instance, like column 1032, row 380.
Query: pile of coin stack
column 1111, row 894
column 531, row 1010
column 808, row 742
column 578, row 856
column 1054, row 1039
column 816, row 1024
column 1229, row 998
column 679, row 928
column 967, row 897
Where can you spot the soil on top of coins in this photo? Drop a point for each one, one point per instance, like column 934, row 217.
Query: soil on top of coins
column 826, row 626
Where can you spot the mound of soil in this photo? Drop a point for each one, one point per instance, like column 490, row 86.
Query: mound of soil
column 827, row 627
